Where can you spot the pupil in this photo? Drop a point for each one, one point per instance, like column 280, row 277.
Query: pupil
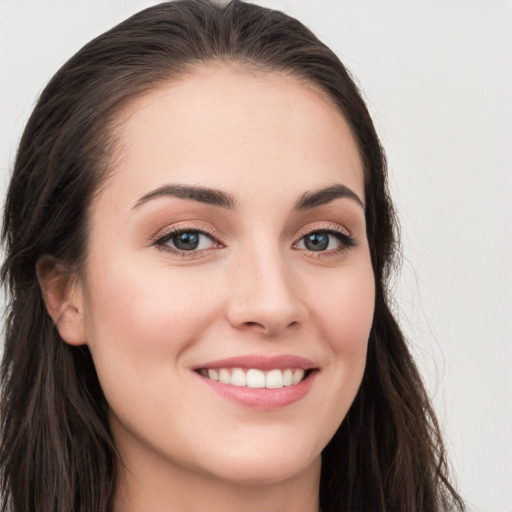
column 317, row 241
column 186, row 241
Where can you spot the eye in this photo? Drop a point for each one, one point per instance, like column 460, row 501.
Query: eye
column 186, row 240
column 325, row 240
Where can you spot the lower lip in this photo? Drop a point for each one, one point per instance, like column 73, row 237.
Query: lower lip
column 262, row 398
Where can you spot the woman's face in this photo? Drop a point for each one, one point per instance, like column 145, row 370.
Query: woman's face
column 229, row 244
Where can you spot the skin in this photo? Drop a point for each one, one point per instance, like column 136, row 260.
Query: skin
column 149, row 315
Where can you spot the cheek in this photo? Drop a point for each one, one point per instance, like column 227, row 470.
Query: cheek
column 345, row 316
column 345, row 311
column 342, row 313
column 142, row 323
column 141, row 319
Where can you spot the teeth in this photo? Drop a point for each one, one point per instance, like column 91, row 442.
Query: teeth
column 213, row 375
column 287, row 377
column 238, row 378
column 274, row 379
column 298, row 375
column 254, row 378
column 224, row 376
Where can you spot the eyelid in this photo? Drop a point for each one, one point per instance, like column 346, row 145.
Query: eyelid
column 180, row 228
column 325, row 227
column 163, row 236
column 345, row 238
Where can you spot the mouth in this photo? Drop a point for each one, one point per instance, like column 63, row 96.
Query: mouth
column 260, row 382
column 256, row 378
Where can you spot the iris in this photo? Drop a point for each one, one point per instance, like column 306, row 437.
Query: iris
column 186, row 241
column 316, row 241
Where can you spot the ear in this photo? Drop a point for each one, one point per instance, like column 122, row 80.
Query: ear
column 63, row 296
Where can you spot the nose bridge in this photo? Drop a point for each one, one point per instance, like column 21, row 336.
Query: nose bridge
column 264, row 291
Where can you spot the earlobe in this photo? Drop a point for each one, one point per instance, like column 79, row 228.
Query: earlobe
column 62, row 295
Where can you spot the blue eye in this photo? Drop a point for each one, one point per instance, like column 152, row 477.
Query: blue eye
column 186, row 241
column 319, row 241
column 189, row 240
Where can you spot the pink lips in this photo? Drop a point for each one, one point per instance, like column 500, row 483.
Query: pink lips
column 261, row 362
column 261, row 398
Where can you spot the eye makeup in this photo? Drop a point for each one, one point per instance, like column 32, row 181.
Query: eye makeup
column 189, row 241
column 326, row 240
column 176, row 239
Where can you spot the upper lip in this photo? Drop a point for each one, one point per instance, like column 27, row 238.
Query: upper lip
column 261, row 362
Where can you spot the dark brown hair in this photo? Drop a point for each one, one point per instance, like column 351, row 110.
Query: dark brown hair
column 56, row 452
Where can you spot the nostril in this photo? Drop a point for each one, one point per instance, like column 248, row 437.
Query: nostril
column 268, row 329
column 254, row 326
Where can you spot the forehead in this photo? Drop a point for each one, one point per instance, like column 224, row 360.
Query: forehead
column 225, row 126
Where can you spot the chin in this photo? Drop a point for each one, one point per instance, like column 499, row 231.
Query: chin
column 264, row 461
column 264, row 470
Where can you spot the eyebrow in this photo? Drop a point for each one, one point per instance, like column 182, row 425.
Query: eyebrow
column 200, row 194
column 224, row 200
column 326, row 195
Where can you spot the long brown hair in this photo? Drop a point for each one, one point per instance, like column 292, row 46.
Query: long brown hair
column 57, row 452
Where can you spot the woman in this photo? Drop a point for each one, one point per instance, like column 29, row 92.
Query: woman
column 198, row 238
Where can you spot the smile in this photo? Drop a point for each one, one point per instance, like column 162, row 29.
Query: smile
column 255, row 378
column 260, row 382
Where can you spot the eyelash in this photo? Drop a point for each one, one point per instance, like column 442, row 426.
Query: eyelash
column 161, row 241
column 346, row 241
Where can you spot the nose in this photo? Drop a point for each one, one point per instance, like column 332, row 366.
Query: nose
column 265, row 294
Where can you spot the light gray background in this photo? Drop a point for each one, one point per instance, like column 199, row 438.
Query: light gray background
column 437, row 77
